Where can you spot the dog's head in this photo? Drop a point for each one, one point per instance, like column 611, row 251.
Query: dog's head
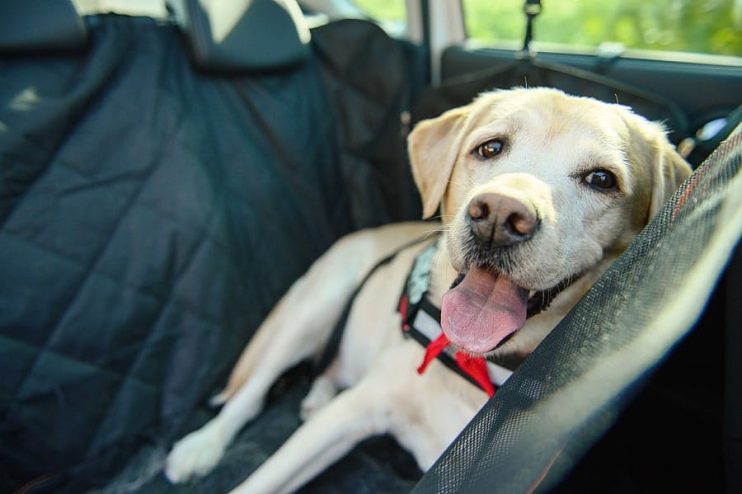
column 536, row 188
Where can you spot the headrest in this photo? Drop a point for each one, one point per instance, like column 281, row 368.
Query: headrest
column 40, row 25
column 241, row 35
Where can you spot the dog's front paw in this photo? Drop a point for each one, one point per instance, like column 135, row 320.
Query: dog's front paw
column 195, row 455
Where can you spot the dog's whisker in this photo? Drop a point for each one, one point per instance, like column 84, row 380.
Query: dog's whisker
column 435, row 231
column 454, row 182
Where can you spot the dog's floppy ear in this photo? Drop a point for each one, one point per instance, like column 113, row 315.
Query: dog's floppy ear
column 670, row 172
column 667, row 169
column 433, row 146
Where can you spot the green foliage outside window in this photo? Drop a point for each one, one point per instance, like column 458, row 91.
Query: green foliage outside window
column 702, row 26
column 383, row 10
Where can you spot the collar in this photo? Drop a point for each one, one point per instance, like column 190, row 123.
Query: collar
column 421, row 321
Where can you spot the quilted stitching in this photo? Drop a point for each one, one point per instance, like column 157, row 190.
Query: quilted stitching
column 150, row 217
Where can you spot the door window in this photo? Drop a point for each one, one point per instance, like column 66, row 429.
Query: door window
column 700, row 26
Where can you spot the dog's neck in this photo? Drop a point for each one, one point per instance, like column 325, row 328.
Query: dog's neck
column 442, row 274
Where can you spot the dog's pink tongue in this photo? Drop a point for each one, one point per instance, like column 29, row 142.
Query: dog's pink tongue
column 482, row 310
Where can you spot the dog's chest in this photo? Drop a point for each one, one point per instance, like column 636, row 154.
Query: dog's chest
column 373, row 324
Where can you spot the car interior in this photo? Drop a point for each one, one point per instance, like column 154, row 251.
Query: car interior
column 168, row 169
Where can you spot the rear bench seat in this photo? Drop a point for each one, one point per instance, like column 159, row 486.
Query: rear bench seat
column 160, row 187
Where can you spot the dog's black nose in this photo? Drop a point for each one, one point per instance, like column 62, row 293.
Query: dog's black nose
column 498, row 220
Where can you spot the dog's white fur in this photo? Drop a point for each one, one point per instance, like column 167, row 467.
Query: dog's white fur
column 552, row 142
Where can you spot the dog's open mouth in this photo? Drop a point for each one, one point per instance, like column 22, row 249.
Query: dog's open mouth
column 484, row 308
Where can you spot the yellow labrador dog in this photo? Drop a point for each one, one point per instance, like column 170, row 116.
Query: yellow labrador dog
column 538, row 191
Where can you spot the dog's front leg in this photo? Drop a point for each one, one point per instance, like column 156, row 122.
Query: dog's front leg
column 295, row 330
column 329, row 434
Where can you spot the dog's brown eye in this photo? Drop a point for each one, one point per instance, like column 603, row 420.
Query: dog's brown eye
column 489, row 149
column 602, row 180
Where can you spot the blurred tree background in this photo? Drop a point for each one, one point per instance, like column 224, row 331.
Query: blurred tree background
column 701, row 26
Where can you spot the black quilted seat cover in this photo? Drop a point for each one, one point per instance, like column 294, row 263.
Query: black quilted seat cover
column 151, row 215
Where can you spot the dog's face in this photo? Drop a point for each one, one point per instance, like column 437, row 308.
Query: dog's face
column 536, row 189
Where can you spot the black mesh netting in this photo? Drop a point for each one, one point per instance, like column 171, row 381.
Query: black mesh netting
column 570, row 391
